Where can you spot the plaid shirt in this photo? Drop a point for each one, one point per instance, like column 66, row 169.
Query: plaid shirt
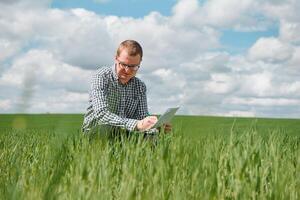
column 113, row 103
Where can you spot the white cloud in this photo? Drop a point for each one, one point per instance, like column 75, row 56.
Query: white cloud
column 294, row 62
column 7, row 48
column 58, row 101
column 269, row 102
column 48, row 53
column 29, row 4
column 270, row 50
column 220, row 84
column 240, row 15
column 42, row 67
column 38, row 72
column 221, row 13
column 287, row 9
column 289, row 31
column 238, row 113
column 164, row 43
column 257, row 84
column 164, row 74
column 5, row 104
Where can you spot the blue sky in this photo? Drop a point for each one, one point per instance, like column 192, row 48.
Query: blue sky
column 131, row 8
column 237, row 42
column 216, row 57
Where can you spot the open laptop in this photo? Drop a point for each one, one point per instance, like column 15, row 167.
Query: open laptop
column 166, row 117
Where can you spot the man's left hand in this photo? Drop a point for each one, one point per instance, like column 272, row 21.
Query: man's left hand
column 167, row 127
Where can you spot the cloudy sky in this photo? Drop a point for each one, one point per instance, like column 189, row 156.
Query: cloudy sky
column 216, row 57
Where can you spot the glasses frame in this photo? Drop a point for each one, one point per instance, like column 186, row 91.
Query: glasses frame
column 128, row 67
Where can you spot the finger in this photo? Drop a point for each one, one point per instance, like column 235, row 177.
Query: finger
column 169, row 130
column 152, row 119
column 167, row 126
column 150, row 122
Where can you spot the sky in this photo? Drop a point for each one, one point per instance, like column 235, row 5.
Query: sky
column 216, row 57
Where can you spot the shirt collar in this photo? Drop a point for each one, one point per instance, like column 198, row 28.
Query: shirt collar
column 114, row 72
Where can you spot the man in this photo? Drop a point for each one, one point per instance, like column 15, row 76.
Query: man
column 117, row 99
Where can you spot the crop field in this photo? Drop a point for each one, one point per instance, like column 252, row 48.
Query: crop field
column 47, row 157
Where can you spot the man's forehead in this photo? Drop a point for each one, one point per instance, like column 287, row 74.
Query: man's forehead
column 125, row 55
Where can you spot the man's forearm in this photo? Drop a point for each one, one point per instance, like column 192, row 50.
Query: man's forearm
column 106, row 117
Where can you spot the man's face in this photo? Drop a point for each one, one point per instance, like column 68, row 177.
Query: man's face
column 126, row 66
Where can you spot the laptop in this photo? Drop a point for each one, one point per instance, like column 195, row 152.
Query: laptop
column 166, row 117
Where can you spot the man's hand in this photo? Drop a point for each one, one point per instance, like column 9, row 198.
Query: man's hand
column 146, row 123
column 167, row 127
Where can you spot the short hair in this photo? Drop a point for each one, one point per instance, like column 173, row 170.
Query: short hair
column 132, row 46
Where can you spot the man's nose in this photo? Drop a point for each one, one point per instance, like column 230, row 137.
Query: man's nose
column 127, row 69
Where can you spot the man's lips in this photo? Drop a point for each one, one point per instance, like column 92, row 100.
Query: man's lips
column 125, row 75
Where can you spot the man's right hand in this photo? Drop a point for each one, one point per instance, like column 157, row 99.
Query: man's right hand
column 146, row 123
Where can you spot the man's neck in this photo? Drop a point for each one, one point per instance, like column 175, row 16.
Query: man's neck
column 123, row 82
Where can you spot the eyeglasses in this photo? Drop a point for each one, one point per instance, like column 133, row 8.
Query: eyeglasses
column 129, row 67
